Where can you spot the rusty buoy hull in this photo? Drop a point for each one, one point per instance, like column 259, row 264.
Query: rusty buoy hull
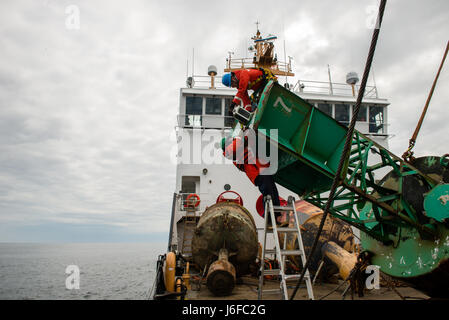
column 226, row 225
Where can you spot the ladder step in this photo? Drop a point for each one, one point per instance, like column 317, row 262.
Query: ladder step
column 276, row 272
column 272, row 291
column 295, row 277
column 291, row 252
column 282, row 209
column 285, row 252
column 281, row 229
column 270, row 251
column 287, row 229
column 271, row 272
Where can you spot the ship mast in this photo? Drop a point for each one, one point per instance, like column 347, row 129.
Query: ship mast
column 264, row 57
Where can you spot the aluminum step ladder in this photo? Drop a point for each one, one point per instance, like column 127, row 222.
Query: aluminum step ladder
column 282, row 253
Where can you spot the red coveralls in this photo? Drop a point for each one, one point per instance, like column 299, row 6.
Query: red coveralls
column 244, row 159
column 247, row 81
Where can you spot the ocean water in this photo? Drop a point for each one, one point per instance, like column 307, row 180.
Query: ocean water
column 111, row 271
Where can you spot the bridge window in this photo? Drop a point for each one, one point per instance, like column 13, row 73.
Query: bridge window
column 227, row 102
column 326, row 108
column 213, row 106
column 194, row 110
column 229, row 120
column 376, row 119
column 194, row 105
column 342, row 113
column 362, row 113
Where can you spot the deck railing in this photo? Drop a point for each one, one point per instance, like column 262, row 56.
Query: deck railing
column 205, row 121
column 204, row 82
column 333, row 88
column 245, row 63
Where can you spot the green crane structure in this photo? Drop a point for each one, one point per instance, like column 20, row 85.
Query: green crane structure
column 403, row 217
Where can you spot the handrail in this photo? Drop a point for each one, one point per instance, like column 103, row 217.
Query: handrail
column 205, row 121
column 200, row 81
column 200, row 123
column 334, row 88
column 172, row 219
column 238, row 63
column 181, row 200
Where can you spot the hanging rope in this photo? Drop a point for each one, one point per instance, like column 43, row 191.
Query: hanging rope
column 348, row 142
column 408, row 154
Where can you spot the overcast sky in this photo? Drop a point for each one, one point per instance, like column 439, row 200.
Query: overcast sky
column 89, row 94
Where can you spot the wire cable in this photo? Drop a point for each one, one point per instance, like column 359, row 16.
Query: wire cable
column 348, row 142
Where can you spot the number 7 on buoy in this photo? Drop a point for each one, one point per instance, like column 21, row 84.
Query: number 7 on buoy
column 279, row 101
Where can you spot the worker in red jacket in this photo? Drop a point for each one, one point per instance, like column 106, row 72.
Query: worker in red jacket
column 244, row 159
column 244, row 80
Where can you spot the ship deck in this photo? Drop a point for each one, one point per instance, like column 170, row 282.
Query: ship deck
column 246, row 289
